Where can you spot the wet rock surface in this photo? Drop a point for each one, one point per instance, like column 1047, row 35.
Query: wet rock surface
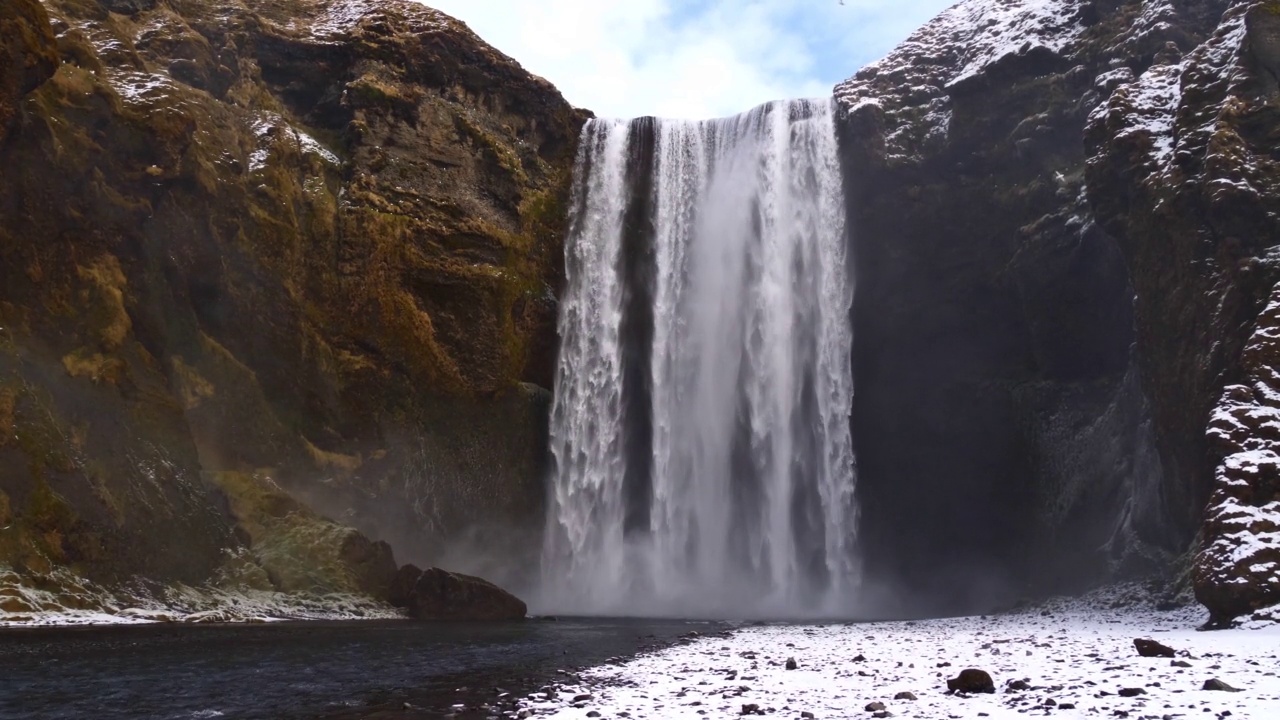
column 311, row 246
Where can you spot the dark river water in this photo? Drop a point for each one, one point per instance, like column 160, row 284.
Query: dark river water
column 302, row 670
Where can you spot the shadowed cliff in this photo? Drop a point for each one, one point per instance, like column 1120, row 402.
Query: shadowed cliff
column 1047, row 309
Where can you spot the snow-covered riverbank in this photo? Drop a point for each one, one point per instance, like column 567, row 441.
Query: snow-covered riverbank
column 66, row 600
column 1070, row 659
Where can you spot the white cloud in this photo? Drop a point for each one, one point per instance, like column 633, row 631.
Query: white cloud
column 690, row 58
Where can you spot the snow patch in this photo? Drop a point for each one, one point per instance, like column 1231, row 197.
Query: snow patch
column 1074, row 657
column 270, row 128
column 340, row 18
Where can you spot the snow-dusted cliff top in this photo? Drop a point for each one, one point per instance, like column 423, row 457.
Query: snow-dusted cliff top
column 912, row 84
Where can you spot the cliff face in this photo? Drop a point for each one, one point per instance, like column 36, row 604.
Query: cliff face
column 1184, row 172
column 259, row 247
column 1005, row 441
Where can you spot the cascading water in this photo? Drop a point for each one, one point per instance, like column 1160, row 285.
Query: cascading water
column 703, row 459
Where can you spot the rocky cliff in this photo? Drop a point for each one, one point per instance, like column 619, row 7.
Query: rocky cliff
column 1185, row 172
column 1019, row 173
column 262, row 259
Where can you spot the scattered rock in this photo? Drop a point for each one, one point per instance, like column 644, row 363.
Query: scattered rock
column 905, row 695
column 1017, row 686
column 971, row 681
column 874, row 707
column 1180, row 663
column 1216, row 684
column 751, row 709
column 1131, row 692
column 1150, row 648
column 791, row 664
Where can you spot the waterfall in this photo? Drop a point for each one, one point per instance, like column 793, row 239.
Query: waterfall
column 703, row 463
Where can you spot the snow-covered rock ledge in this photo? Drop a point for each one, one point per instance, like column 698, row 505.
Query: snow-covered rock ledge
column 62, row 599
column 1070, row 659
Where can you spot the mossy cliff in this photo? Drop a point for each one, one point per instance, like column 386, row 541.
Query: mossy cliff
column 313, row 244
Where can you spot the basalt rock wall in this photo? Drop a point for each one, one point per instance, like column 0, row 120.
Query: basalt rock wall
column 262, row 252
column 1023, row 424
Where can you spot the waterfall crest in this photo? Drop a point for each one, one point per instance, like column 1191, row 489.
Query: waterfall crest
column 703, row 463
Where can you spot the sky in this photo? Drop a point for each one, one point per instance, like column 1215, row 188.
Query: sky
column 691, row 58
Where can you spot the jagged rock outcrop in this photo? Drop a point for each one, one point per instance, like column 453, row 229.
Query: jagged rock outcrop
column 1185, row 174
column 1005, row 442
column 312, row 244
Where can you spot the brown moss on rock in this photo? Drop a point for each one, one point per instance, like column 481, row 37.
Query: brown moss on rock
column 298, row 550
column 28, row 55
column 316, row 236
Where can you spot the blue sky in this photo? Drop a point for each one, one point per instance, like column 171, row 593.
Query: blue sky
column 691, row 58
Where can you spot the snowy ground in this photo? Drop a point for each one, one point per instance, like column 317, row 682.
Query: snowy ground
column 1075, row 658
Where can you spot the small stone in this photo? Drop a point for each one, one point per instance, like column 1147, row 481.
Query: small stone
column 882, row 714
column 806, row 715
column 791, row 664
column 751, row 709
column 1180, row 663
column 593, row 714
column 875, row 707
column 1216, row 684
column 905, row 695
column 860, row 658
column 1018, row 686
column 1131, row 692
column 1150, row 648
column 1067, row 706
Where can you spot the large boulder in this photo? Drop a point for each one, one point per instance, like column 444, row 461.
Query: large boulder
column 437, row 594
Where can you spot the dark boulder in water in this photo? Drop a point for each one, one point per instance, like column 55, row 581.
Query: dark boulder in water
column 435, row 594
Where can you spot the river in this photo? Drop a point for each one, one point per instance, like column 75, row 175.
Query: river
column 372, row 669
